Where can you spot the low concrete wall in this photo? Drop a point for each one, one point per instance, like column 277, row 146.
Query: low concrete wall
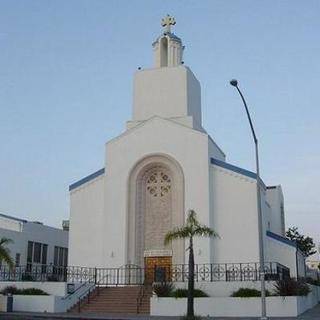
column 57, row 301
column 34, row 303
column 3, row 303
column 236, row 307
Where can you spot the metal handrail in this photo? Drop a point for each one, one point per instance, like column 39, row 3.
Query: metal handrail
column 77, row 290
column 132, row 274
column 96, row 285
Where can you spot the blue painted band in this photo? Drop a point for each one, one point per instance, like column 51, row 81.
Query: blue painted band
column 231, row 167
column 86, row 179
column 281, row 239
column 236, row 169
column 13, row 218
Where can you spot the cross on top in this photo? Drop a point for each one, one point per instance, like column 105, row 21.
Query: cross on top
column 167, row 22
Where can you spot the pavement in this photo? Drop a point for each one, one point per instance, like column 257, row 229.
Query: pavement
column 312, row 314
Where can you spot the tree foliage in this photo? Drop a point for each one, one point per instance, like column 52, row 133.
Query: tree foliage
column 304, row 243
column 5, row 252
column 191, row 229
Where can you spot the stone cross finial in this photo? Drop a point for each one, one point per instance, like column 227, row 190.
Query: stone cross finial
column 167, row 22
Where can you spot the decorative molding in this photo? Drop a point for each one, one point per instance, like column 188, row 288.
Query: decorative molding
column 157, row 253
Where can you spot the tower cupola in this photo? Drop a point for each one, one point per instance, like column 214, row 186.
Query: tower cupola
column 168, row 48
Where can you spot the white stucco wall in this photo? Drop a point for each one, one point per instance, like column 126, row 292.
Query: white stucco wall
column 281, row 252
column 166, row 92
column 276, row 202
column 233, row 217
column 157, row 136
column 86, row 224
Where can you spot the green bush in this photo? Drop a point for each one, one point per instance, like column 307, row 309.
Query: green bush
column 248, row 293
column 291, row 287
column 313, row 281
column 28, row 291
column 33, row 292
column 163, row 289
column 183, row 293
column 9, row 290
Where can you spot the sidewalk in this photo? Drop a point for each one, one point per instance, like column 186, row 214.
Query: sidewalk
column 313, row 314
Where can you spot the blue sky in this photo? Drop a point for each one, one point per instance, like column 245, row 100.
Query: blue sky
column 66, row 72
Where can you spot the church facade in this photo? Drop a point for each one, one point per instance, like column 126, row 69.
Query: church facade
column 162, row 165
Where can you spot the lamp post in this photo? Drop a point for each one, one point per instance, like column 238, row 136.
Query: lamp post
column 234, row 83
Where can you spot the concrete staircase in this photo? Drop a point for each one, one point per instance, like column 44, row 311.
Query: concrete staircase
column 122, row 300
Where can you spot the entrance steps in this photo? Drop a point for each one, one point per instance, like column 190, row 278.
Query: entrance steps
column 112, row 300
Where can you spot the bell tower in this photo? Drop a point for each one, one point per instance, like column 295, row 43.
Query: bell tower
column 168, row 47
column 168, row 90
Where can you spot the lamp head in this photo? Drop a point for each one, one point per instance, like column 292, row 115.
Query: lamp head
column 234, row 82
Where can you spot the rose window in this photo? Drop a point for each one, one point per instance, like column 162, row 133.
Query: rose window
column 158, row 184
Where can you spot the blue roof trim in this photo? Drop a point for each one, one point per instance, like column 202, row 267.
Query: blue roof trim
column 236, row 169
column 281, row 239
column 86, row 179
column 12, row 218
column 231, row 167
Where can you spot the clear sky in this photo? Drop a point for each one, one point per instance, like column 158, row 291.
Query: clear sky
column 66, row 72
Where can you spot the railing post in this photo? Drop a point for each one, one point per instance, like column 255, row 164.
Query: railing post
column 155, row 273
column 226, row 271
column 256, row 271
column 95, row 275
column 211, row 272
column 241, row 279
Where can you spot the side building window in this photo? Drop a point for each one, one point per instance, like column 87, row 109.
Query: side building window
column 60, row 256
column 37, row 253
column 17, row 260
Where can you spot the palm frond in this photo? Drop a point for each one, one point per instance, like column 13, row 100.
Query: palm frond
column 177, row 233
column 5, row 241
column 204, row 231
column 5, row 256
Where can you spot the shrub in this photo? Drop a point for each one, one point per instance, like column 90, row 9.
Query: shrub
column 248, row 293
column 10, row 290
column 183, row 293
column 28, row 291
column 312, row 281
column 291, row 287
column 33, row 292
column 163, row 289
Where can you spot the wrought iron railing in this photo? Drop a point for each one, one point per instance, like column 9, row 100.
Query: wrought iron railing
column 135, row 275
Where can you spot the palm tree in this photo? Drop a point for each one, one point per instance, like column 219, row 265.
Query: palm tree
column 191, row 229
column 5, row 252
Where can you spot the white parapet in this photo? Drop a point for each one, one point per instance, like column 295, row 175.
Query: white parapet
column 236, row 307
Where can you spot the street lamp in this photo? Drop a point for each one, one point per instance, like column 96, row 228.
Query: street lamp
column 234, row 83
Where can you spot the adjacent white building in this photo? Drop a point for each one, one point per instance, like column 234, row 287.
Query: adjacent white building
column 163, row 164
column 34, row 243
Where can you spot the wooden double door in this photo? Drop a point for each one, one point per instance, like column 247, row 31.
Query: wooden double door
column 158, row 269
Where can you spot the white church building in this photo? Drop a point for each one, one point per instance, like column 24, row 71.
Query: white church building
column 163, row 164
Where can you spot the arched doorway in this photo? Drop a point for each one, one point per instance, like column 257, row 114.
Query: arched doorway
column 156, row 205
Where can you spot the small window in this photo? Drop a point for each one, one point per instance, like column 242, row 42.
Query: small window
column 44, row 254
column 37, row 252
column 30, row 251
column 17, row 260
